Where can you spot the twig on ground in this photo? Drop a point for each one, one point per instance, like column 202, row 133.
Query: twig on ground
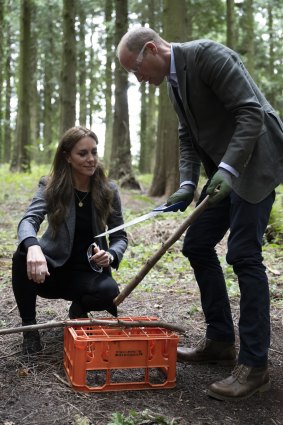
column 275, row 351
column 12, row 309
column 11, row 354
column 273, row 271
column 61, row 379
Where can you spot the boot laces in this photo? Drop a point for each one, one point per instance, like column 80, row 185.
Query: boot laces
column 241, row 371
column 201, row 344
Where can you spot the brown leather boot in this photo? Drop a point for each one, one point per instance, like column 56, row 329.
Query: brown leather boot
column 243, row 383
column 208, row 351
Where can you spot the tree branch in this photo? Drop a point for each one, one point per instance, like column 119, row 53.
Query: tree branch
column 95, row 322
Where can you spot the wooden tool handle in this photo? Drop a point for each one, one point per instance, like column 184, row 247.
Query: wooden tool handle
column 156, row 257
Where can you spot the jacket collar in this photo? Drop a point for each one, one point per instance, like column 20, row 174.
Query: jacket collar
column 183, row 76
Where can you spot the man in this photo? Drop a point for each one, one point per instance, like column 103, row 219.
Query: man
column 226, row 124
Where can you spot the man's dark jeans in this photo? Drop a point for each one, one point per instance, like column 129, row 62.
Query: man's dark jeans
column 247, row 223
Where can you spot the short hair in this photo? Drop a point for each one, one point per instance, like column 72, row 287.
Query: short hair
column 136, row 38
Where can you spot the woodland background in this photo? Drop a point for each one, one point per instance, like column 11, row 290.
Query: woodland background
column 58, row 68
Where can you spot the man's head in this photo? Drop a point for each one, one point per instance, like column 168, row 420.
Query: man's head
column 143, row 52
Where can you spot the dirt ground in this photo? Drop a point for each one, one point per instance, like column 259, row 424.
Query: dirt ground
column 34, row 390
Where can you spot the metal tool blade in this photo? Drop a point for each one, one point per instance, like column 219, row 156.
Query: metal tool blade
column 161, row 209
column 129, row 223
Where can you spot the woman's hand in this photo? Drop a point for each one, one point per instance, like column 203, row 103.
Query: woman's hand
column 36, row 264
column 101, row 258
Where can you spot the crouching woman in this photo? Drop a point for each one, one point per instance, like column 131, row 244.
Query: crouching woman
column 79, row 202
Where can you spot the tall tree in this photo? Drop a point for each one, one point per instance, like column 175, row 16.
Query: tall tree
column 265, row 38
column 35, row 107
column 48, row 81
column 7, row 134
column 230, row 24
column 21, row 155
column 120, row 165
column 271, row 50
column 158, row 185
column 91, row 77
column 189, row 19
column 249, row 28
column 108, row 81
column 82, row 63
column 68, row 77
column 1, row 74
column 166, row 174
column 143, row 164
column 149, row 113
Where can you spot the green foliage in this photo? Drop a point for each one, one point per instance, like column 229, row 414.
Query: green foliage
column 81, row 420
column 166, row 273
column 230, row 278
column 143, row 198
column 275, row 230
column 273, row 256
column 144, row 179
column 208, row 25
column 193, row 309
column 16, row 191
column 140, row 418
column 20, row 184
column 47, row 46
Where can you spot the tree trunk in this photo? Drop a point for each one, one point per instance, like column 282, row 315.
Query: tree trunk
column 92, row 85
column 143, row 126
column 166, row 175
column 230, row 24
column 2, row 58
column 7, row 139
column 68, row 77
column 189, row 20
column 158, row 185
column 48, row 88
column 271, row 94
column 35, row 108
column 151, row 128
column 249, row 29
column 82, row 64
column 148, row 127
column 21, row 155
column 120, row 166
column 108, row 82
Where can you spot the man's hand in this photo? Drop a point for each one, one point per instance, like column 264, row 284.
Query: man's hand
column 185, row 193
column 220, row 186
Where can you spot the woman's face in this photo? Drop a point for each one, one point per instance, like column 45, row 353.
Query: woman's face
column 83, row 158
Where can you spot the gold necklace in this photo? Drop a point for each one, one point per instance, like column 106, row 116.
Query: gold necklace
column 81, row 204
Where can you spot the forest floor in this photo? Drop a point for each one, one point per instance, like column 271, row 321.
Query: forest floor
column 34, row 390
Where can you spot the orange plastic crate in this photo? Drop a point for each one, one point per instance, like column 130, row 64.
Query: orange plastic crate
column 105, row 358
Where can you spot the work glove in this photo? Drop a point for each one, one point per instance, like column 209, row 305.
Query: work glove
column 185, row 194
column 220, row 186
